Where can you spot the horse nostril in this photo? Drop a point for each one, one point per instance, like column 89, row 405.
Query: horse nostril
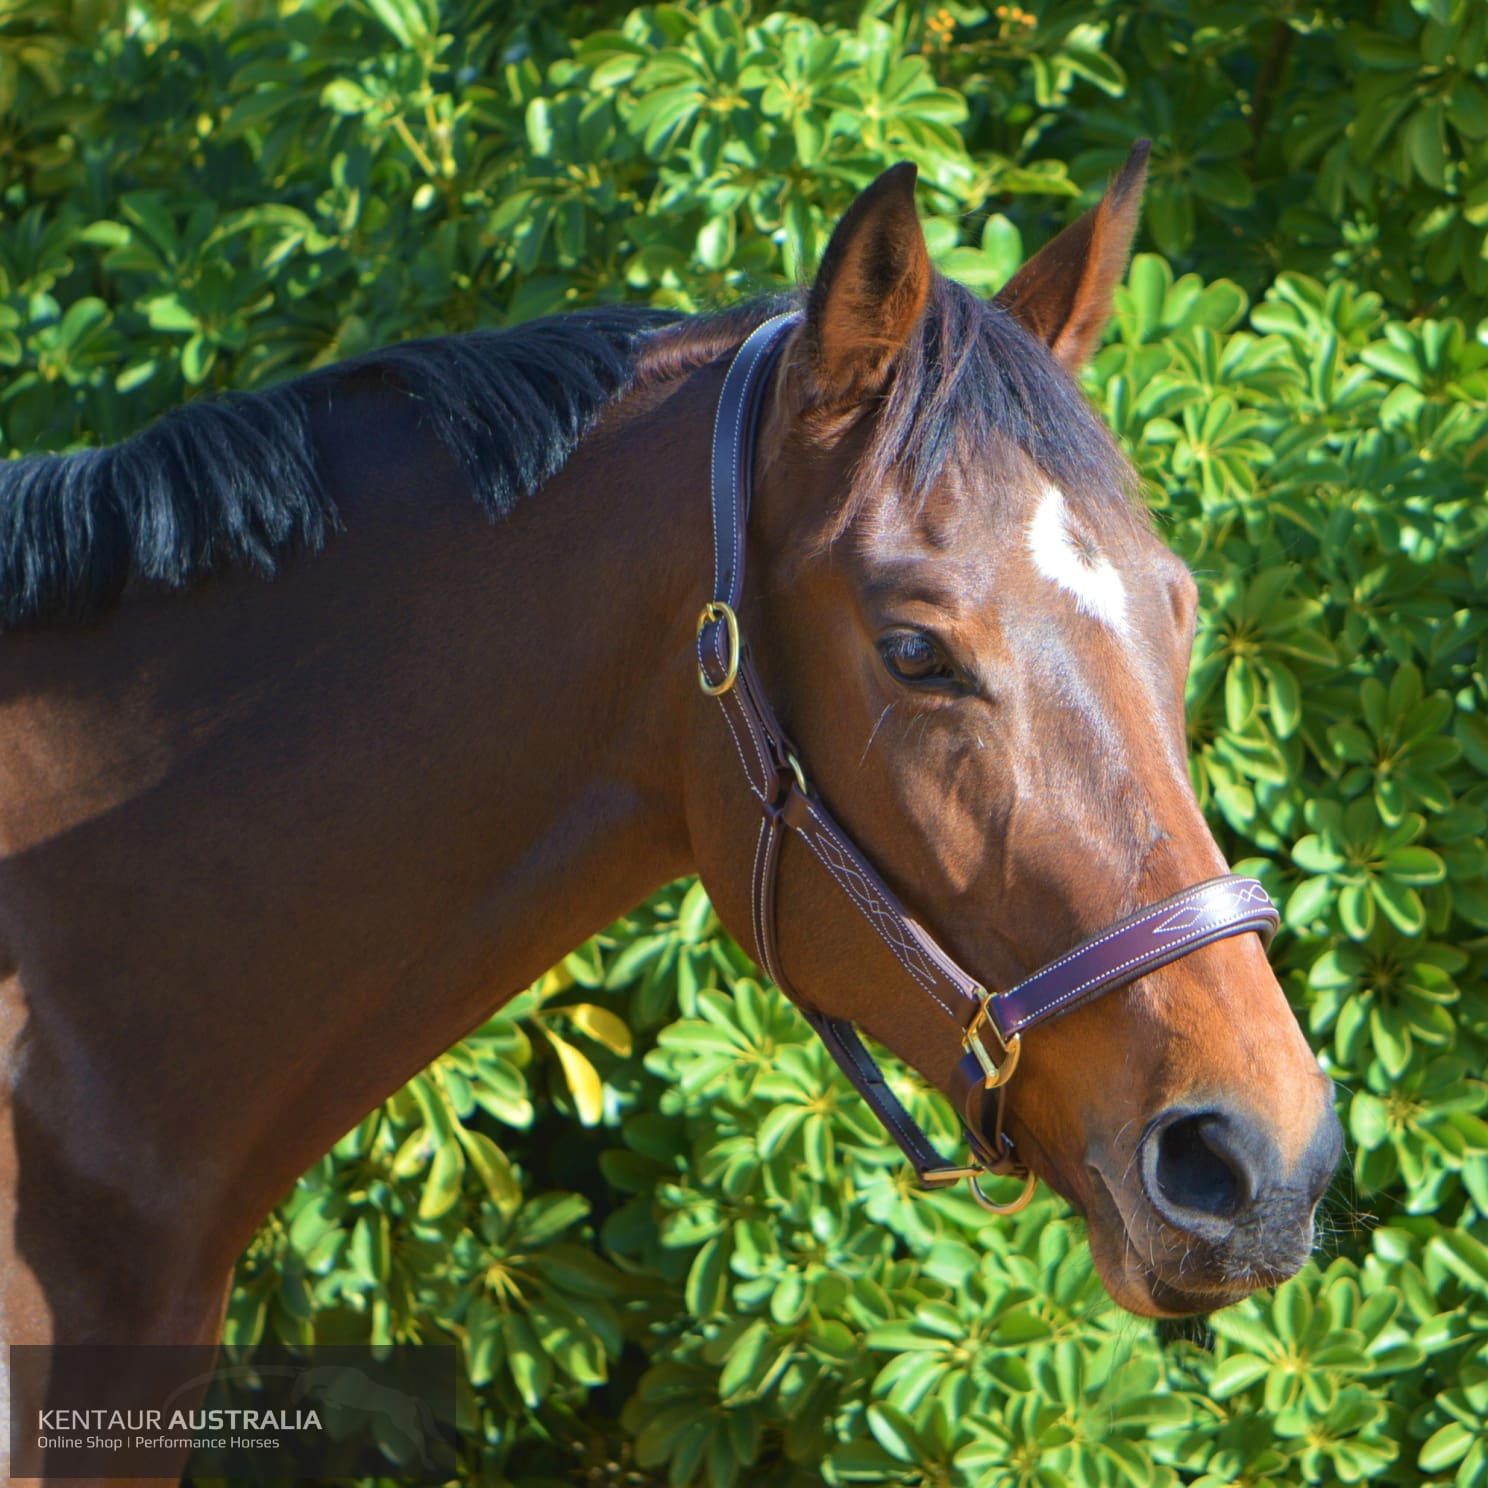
column 1196, row 1169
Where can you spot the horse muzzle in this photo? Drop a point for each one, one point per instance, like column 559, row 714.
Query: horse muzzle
column 1207, row 1208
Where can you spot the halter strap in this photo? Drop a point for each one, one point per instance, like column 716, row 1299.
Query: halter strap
column 1150, row 938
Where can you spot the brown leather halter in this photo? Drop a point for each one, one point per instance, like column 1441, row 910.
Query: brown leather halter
column 1118, row 955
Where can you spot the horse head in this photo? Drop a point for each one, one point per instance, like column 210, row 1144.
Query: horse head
column 978, row 644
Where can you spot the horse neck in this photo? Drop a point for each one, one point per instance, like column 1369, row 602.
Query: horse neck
column 606, row 571
column 354, row 808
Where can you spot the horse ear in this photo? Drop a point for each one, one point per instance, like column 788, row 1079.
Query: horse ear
column 869, row 291
column 1063, row 293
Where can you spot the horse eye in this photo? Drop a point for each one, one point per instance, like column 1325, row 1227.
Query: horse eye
column 915, row 658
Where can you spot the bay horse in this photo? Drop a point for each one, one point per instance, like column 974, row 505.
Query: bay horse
column 333, row 715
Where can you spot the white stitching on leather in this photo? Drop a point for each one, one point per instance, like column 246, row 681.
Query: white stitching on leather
column 1157, row 910
column 713, row 476
column 876, row 919
column 908, row 952
column 756, row 904
column 739, row 750
column 747, row 719
column 875, row 925
column 1172, row 952
column 883, row 915
column 733, row 481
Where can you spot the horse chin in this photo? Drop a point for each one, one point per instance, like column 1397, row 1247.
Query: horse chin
column 1132, row 1284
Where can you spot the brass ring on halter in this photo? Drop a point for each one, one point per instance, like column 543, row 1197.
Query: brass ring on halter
column 799, row 773
column 714, row 610
column 1030, row 1182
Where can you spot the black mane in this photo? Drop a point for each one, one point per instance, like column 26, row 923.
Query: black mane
column 234, row 480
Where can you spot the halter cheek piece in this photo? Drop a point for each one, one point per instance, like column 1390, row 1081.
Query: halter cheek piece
column 991, row 1025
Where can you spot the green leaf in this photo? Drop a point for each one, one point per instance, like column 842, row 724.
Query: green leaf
column 1368, row 1119
column 167, row 313
column 715, row 245
column 342, row 96
column 894, row 1433
column 1238, row 1372
column 1356, row 905
column 1309, row 901
column 530, row 1368
column 745, row 1358
column 1002, row 244
column 404, row 18
column 197, row 357
column 696, row 914
column 442, row 1188
column 539, row 123
column 492, row 1168
column 1415, row 865
column 545, row 1218
column 1445, row 1447
column 1400, row 903
column 582, row 1079
column 1465, row 1256
column 707, row 1280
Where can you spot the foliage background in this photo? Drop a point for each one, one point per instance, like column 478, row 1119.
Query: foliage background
column 653, row 1287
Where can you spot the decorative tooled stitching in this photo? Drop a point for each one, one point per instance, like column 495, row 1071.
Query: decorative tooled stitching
column 1236, row 921
column 1246, row 891
column 1100, row 940
column 873, row 909
column 880, row 915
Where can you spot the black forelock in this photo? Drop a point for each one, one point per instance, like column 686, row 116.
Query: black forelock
column 974, row 386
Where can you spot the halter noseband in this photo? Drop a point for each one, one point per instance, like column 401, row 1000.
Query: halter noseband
column 1118, row 955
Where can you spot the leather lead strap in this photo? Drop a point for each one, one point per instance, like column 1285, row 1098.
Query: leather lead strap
column 844, row 1045
column 1152, row 937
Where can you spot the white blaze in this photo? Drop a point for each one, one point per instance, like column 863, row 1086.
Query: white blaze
column 1089, row 577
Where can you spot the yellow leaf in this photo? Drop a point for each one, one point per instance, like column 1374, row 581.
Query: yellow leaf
column 413, row 1156
column 493, row 1169
column 583, row 1081
column 551, row 983
column 442, row 1187
column 600, row 1024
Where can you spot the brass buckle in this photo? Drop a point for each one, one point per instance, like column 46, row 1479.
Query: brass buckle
column 996, row 1074
column 943, row 1177
column 714, row 610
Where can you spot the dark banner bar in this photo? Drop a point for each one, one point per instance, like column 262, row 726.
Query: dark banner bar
column 158, row 1412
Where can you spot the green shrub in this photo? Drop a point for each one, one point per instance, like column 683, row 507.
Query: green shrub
column 652, row 1285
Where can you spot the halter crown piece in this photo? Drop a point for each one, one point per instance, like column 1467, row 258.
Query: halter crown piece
column 990, row 1025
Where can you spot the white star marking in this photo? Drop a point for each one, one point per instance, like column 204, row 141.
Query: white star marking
column 1060, row 557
